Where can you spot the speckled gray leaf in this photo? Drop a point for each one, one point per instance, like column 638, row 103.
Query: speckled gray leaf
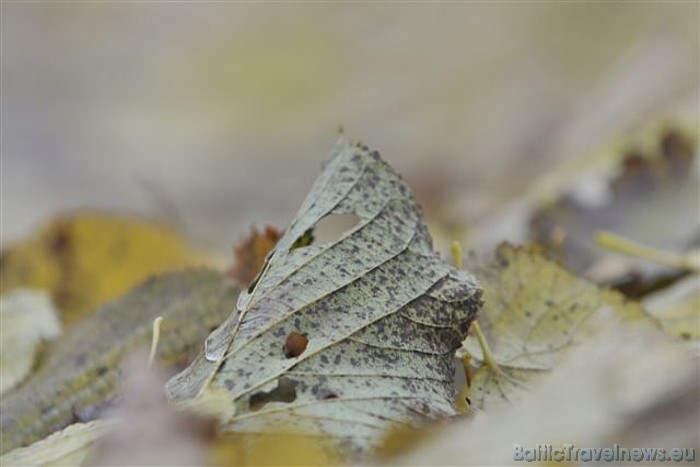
column 380, row 314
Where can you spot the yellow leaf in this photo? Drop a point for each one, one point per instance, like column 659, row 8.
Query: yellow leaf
column 89, row 258
column 534, row 312
column 282, row 448
column 401, row 439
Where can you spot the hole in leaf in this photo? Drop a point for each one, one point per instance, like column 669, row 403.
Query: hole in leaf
column 331, row 227
column 329, row 395
column 252, row 285
column 295, row 345
column 284, row 392
column 327, row 230
column 255, row 281
column 306, row 239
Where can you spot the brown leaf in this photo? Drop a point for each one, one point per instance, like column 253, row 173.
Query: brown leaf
column 249, row 254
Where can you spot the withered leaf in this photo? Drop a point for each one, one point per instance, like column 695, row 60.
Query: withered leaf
column 535, row 311
column 249, row 254
column 80, row 375
column 653, row 201
column 624, row 386
column 70, row 446
column 381, row 315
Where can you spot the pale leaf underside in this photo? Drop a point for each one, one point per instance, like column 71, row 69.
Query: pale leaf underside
column 382, row 313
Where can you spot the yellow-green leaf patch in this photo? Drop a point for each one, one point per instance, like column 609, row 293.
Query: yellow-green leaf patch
column 534, row 312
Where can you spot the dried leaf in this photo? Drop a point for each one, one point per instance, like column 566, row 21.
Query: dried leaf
column 650, row 202
column 250, row 254
column 622, row 387
column 89, row 258
column 381, row 313
column 271, row 449
column 80, row 376
column 68, row 447
column 534, row 312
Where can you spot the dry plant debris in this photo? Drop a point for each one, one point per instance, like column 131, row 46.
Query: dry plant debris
column 343, row 340
column 343, row 345
column 249, row 254
column 80, row 376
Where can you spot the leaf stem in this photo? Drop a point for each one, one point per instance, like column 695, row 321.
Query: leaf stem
column 457, row 254
column 485, row 350
column 623, row 245
column 154, row 340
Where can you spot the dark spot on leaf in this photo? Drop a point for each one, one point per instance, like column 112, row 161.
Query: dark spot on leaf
column 60, row 241
column 295, row 345
column 102, row 370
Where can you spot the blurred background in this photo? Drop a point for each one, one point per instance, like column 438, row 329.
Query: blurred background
column 214, row 115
